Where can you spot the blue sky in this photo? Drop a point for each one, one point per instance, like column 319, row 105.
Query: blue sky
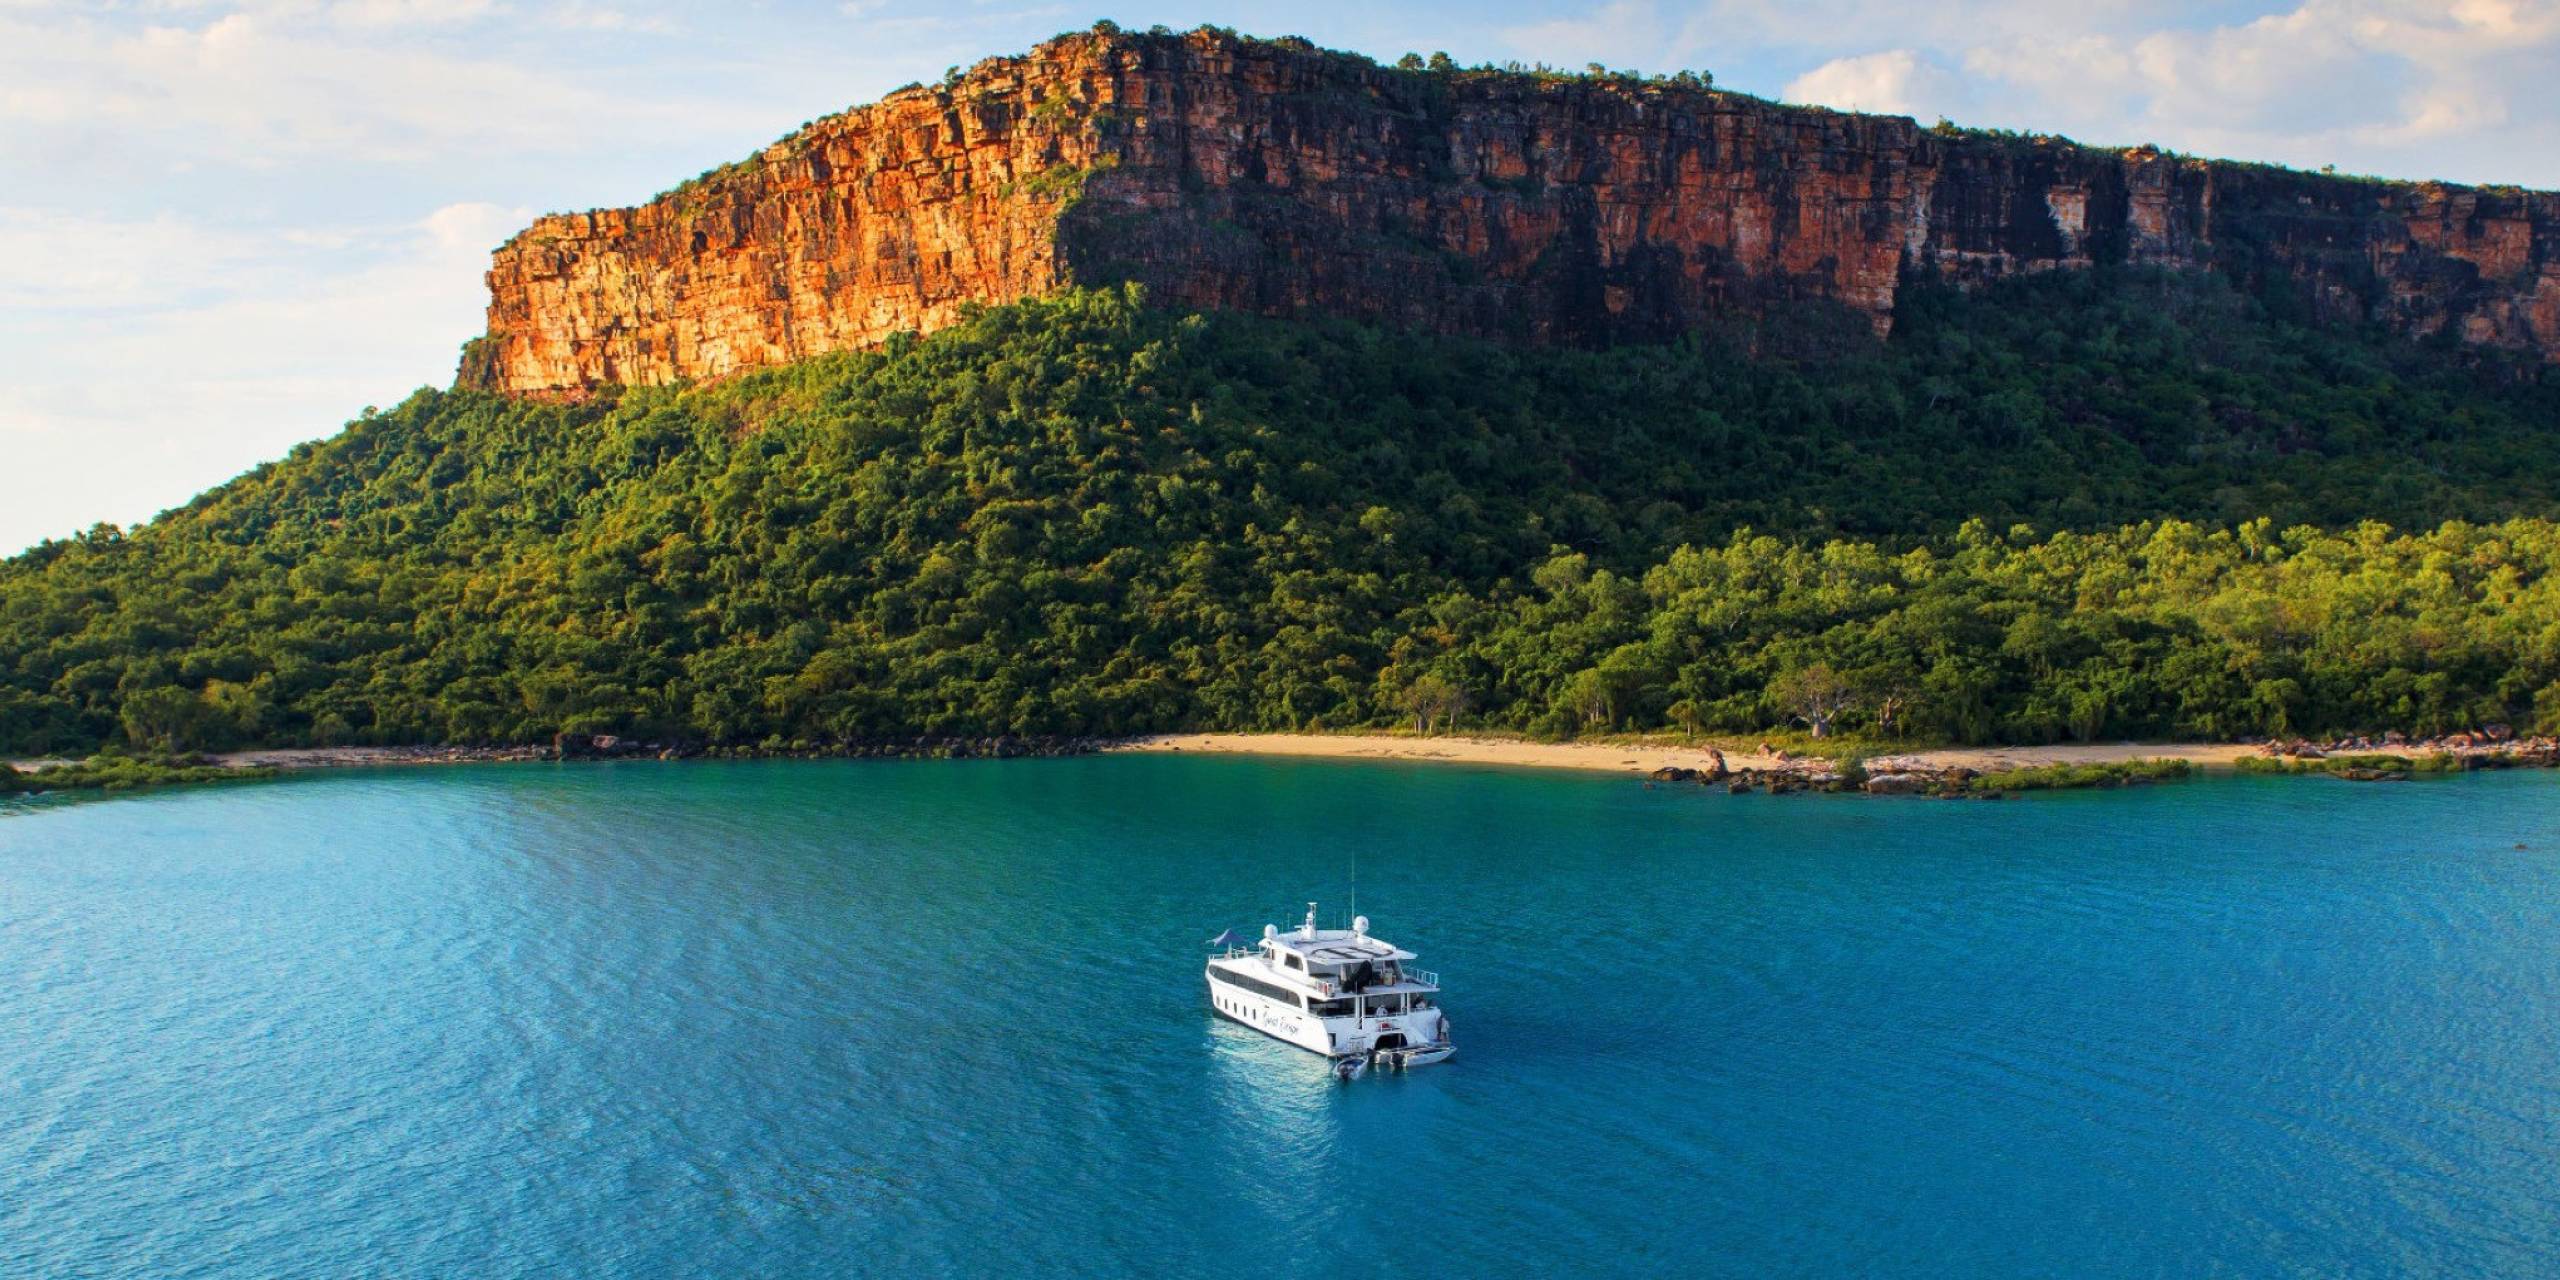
column 227, row 227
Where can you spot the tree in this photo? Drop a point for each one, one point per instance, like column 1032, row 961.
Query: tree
column 1081, row 515
column 165, row 719
column 1887, row 703
column 1886, row 690
column 1815, row 696
column 1587, row 697
column 1686, row 717
column 1430, row 700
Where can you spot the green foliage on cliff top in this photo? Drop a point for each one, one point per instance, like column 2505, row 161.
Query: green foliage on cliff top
column 1082, row 516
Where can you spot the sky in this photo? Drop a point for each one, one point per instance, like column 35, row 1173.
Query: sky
column 229, row 227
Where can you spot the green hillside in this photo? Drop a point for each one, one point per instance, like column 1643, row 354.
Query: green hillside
column 2084, row 505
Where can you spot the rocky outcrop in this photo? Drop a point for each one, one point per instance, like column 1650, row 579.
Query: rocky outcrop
column 1272, row 177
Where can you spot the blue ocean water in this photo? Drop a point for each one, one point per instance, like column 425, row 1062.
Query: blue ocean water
column 946, row 1018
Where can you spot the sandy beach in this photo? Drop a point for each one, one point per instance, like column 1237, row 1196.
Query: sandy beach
column 1611, row 757
column 1645, row 758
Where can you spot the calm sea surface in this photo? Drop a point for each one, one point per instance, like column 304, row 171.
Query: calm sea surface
column 947, row 1018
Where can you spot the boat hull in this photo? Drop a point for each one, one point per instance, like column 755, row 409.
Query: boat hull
column 1276, row 1025
column 1424, row 1056
column 1334, row 1038
column 1287, row 1026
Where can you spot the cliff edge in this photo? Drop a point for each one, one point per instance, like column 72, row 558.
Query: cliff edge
column 1269, row 176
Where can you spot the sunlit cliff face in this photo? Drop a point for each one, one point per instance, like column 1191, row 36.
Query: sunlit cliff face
column 1269, row 177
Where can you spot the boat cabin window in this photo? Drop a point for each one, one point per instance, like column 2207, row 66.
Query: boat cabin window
column 1294, row 961
column 1333, row 1008
column 1258, row 987
column 1380, row 1006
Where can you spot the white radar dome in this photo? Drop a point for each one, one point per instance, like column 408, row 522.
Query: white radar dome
column 1359, row 924
column 1271, row 931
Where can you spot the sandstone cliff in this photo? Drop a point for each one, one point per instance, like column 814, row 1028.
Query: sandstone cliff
column 1275, row 178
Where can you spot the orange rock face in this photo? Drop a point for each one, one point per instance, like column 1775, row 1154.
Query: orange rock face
column 1273, row 178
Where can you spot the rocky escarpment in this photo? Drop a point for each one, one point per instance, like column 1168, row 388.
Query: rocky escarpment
column 1271, row 177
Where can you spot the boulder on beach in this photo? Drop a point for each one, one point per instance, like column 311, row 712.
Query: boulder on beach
column 1896, row 784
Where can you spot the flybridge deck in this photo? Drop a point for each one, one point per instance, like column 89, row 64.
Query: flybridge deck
column 1340, row 946
column 1329, row 961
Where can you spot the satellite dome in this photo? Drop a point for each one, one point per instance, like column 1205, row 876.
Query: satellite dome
column 1360, row 924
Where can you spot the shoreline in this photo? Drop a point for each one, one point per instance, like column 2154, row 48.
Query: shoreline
column 1647, row 758
column 1635, row 758
column 1945, row 770
column 302, row 758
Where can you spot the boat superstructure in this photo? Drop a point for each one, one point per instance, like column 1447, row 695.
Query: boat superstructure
column 1340, row 992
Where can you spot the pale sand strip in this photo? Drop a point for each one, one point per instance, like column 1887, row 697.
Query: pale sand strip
column 1645, row 758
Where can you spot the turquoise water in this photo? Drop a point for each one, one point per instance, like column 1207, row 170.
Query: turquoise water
column 946, row 1018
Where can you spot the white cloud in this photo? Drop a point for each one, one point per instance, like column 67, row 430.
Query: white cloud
column 1723, row 32
column 1621, row 31
column 405, row 13
column 2297, row 69
column 1894, row 82
column 590, row 17
column 206, row 362
column 254, row 88
column 2414, row 88
column 57, row 260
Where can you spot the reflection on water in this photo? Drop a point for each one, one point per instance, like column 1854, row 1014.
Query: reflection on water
column 948, row 1018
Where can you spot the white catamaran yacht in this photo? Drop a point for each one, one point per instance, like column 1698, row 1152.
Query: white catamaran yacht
column 1338, row 992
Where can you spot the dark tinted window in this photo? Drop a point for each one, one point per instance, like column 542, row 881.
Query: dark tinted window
column 1258, row 986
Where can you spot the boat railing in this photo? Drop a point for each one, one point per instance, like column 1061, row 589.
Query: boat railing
column 1403, row 977
column 1331, row 986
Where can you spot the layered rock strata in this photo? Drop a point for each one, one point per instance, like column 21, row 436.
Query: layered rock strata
column 1275, row 178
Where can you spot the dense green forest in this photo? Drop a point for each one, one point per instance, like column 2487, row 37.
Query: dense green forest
column 2084, row 505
